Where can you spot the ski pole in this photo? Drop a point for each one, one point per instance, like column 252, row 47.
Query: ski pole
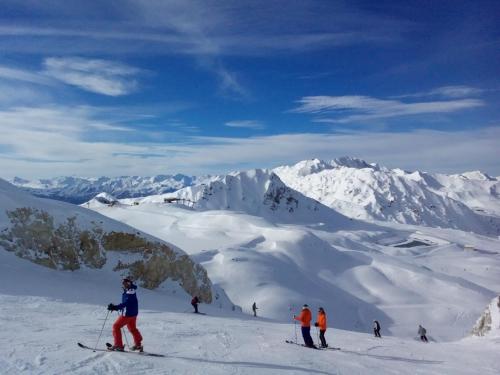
column 97, row 343
column 126, row 338
column 317, row 334
column 295, row 324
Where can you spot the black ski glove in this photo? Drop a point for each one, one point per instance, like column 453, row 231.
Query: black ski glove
column 316, row 324
column 112, row 307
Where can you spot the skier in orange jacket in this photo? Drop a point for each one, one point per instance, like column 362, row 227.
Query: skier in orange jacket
column 305, row 319
column 321, row 324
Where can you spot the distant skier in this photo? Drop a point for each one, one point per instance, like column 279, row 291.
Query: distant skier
column 376, row 328
column 129, row 318
column 305, row 319
column 422, row 333
column 321, row 323
column 194, row 302
column 254, row 309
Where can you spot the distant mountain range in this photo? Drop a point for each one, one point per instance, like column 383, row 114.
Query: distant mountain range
column 357, row 189
column 78, row 190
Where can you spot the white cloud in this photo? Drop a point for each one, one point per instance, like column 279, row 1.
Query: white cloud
column 459, row 91
column 98, row 76
column 205, row 30
column 352, row 108
column 251, row 124
column 15, row 74
column 47, row 142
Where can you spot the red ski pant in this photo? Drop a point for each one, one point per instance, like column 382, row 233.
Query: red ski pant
column 128, row 321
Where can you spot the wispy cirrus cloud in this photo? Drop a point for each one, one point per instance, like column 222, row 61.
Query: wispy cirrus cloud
column 459, row 91
column 353, row 108
column 208, row 31
column 250, row 124
column 95, row 75
column 16, row 74
column 57, row 139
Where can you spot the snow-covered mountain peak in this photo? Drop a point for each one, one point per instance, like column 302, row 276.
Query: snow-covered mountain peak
column 477, row 175
column 377, row 193
column 310, row 166
column 313, row 166
column 351, row 162
column 258, row 192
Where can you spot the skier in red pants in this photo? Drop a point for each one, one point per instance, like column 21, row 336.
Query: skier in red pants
column 128, row 317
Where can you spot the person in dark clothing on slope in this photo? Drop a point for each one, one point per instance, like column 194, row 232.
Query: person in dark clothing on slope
column 254, row 309
column 305, row 319
column 422, row 333
column 194, row 302
column 376, row 328
column 129, row 309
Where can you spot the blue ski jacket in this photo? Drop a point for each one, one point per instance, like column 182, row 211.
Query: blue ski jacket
column 129, row 301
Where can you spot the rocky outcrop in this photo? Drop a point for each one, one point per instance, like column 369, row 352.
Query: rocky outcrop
column 489, row 322
column 34, row 235
column 159, row 262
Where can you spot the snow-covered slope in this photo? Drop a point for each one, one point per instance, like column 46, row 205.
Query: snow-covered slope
column 78, row 190
column 475, row 189
column 45, row 313
column 370, row 192
column 62, row 236
column 400, row 276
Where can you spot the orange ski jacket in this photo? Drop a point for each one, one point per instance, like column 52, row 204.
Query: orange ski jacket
column 304, row 317
column 321, row 320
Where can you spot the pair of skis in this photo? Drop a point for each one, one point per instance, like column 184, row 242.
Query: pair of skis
column 312, row 347
column 146, row 354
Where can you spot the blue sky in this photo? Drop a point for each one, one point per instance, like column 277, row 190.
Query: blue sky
column 149, row 87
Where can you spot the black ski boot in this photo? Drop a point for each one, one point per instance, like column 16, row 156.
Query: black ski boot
column 115, row 348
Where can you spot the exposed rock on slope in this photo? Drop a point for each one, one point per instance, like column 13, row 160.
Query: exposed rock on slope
column 62, row 236
column 489, row 322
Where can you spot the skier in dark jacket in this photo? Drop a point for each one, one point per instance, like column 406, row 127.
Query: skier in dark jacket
column 194, row 303
column 254, row 309
column 129, row 309
column 422, row 333
column 376, row 328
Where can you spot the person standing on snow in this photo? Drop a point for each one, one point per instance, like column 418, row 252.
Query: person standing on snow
column 130, row 309
column 254, row 309
column 194, row 303
column 376, row 328
column 422, row 333
column 321, row 323
column 305, row 319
